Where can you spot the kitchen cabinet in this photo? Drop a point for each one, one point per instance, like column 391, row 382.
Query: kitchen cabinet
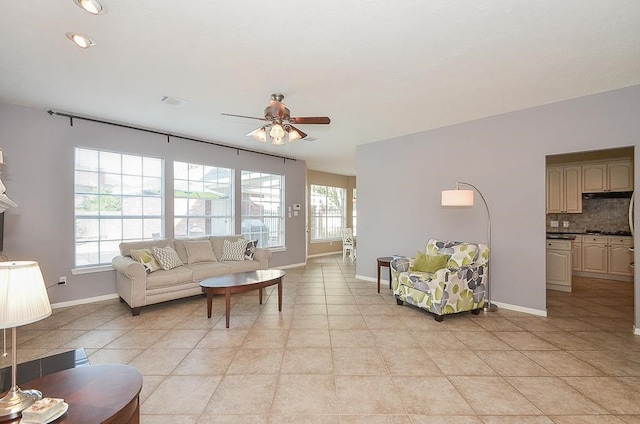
column 576, row 254
column 558, row 256
column 607, row 176
column 564, row 189
column 594, row 254
column 607, row 255
column 620, row 257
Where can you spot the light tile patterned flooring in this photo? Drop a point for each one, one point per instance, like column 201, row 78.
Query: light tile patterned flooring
column 340, row 353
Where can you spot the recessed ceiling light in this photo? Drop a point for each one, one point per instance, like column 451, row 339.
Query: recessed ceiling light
column 80, row 40
column 91, row 6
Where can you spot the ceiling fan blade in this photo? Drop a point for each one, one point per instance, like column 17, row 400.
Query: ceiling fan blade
column 311, row 120
column 243, row 116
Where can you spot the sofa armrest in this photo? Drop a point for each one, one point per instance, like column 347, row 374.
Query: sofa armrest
column 129, row 267
column 263, row 255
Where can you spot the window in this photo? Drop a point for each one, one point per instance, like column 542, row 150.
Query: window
column 354, row 216
column 202, row 199
column 262, row 208
column 328, row 212
column 118, row 198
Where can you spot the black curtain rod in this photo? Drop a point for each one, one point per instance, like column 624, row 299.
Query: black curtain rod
column 237, row 149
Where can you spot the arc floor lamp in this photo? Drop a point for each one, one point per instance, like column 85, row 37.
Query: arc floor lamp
column 465, row 199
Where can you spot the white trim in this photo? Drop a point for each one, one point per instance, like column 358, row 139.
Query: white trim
column 538, row 312
column 92, row 269
column 636, row 330
column 83, row 301
column 375, row 280
column 318, row 255
column 275, row 249
column 290, row 266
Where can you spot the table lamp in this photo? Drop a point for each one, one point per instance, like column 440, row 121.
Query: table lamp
column 23, row 300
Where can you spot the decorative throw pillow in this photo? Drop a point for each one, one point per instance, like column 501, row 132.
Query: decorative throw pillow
column 429, row 263
column 199, row 251
column 250, row 250
column 145, row 257
column 233, row 250
column 167, row 257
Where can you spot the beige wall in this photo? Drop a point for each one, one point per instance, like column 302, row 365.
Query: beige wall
column 333, row 180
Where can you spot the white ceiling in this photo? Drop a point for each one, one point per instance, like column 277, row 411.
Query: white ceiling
column 378, row 69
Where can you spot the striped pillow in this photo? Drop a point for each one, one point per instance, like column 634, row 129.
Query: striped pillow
column 233, row 250
column 167, row 257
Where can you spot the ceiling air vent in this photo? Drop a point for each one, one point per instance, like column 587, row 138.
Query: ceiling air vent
column 173, row 101
column 309, row 138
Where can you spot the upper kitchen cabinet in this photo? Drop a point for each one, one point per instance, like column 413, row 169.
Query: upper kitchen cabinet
column 607, row 176
column 564, row 189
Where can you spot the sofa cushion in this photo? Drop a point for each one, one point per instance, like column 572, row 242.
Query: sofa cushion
column 250, row 250
column 199, row 251
column 167, row 257
column 429, row 263
column 204, row 270
column 172, row 277
column 462, row 254
column 146, row 258
column 125, row 247
column 233, row 250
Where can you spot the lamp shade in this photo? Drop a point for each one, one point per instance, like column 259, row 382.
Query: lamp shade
column 457, row 198
column 23, row 295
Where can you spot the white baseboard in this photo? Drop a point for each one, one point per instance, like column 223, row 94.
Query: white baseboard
column 517, row 308
column 319, row 255
column 636, row 330
column 290, row 266
column 375, row 280
column 83, row 301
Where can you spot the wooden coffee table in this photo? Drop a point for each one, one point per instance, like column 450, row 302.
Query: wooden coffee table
column 96, row 394
column 241, row 282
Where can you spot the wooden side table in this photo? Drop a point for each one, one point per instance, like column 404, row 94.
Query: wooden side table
column 384, row 261
column 96, row 394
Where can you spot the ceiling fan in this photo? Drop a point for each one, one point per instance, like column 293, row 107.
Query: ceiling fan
column 279, row 123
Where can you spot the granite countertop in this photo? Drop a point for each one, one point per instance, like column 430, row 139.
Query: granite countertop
column 562, row 235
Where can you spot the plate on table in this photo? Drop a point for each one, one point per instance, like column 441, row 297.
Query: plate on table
column 65, row 407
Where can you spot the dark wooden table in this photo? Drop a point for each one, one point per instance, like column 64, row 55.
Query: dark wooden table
column 384, row 261
column 96, row 394
column 238, row 283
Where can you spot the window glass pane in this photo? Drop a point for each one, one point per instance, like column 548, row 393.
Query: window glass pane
column 110, row 162
column 262, row 208
column 87, row 160
column 208, row 190
column 328, row 211
column 131, row 165
column 124, row 189
column 87, row 182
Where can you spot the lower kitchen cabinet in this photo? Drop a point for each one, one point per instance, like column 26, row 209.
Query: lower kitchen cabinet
column 620, row 257
column 606, row 255
column 594, row 254
column 576, row 254
column 559, row 265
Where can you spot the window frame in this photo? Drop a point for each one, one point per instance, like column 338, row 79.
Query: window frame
column 315, row 218
column 188, row 184
column 250, row 198
column 105, row 174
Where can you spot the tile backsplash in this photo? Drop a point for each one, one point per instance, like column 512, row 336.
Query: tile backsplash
column 597, row 214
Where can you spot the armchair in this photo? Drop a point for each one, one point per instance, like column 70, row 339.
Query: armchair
column 455, row 287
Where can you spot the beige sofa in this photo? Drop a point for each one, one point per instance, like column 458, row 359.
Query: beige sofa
column 138, row 288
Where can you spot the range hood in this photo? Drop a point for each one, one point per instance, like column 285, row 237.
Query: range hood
column 608, row 195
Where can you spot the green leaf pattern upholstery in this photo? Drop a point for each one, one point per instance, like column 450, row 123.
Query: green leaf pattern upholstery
column 457, row 288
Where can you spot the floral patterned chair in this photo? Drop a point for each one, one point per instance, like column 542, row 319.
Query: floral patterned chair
column 456, row 284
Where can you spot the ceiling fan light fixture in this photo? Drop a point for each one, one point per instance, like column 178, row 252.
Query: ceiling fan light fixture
column 294, row 133
column 259, row 134
column 277, row 131
column 278, row 141
column 80, row 40
column 92, row 6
